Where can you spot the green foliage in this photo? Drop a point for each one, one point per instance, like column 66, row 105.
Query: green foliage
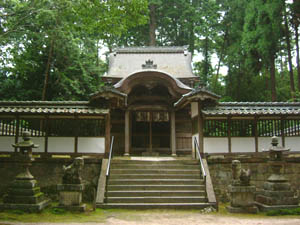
column 52, row 46
column 284, row 212
column 18, row 212
column 58, row 211
column 61, row 40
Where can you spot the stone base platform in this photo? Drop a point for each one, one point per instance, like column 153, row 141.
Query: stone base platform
column 150, row 153
column 38, row 207
column 266, row 208
column 246, row 209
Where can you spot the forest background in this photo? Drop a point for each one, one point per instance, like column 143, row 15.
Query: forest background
column 50, row 49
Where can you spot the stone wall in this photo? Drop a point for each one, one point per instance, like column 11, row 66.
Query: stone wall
column 220, row 171
column 48, row 172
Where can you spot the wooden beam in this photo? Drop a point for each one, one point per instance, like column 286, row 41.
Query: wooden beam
column 46, row 134
column 282, row 119
column 127, row 132
column 200, row 128
column 107, row 135
column 150, row 133
column 173, row 133
column 76, row 137
column 229, row 133
column 17, row 131
column 256, row 134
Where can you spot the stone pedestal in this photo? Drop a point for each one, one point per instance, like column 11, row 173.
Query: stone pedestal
column 242, row 199
column 70, row 197
column 277, row 193
column 24, row 193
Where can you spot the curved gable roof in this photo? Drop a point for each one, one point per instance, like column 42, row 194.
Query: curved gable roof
column 143, row 76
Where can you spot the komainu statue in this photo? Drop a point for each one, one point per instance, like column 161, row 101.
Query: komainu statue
column 72, row 172
column 240, row 176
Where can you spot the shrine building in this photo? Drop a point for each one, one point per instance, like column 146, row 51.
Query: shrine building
column 152, row 104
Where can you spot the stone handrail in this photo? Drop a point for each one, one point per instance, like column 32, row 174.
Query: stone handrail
column 211, row 197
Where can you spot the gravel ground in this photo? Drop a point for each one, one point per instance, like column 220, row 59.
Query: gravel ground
column 182, row 219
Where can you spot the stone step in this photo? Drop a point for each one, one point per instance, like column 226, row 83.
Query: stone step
column 155, row 187
column 157, row 193
column 155, row 181
column 155, row 166
column 152, row 162
column 159, row 199
column 154, row 171
column 155, row 176
column 143, row 206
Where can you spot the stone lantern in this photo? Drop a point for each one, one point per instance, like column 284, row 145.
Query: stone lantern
column 277, row 193
column 24, row 156
column 24, row 193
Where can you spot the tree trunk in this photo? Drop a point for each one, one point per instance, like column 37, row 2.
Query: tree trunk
column 297, row 54
column 206, row 61
column 273, row 79
column 287, row 36
column 281, row 65
column 220, row 60
column 46, row 79
column 152, row 26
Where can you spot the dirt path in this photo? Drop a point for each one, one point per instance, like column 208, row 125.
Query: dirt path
column 180, row 219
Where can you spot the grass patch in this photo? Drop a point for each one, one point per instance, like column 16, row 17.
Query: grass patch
column 58, row 215
column 284, row 212
column 54, row 215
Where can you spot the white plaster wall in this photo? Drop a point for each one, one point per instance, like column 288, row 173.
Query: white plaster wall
column 215, row 145
column 38, row 141
column 61, row 144
column 264, row 143
column 194, row 109
column 293, row 143
column 91, row 145
column 242, row 144
column 6, row 144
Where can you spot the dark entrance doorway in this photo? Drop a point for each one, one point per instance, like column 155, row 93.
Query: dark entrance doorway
column 150, row 132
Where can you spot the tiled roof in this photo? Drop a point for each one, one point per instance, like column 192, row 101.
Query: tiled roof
column 172, row 60
column 253, row 108
column 107, row 89
column 194, row 92
column 50, row 107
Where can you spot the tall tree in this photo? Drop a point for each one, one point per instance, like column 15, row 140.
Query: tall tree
column 262, row 32
column 52, row 46
column 295, row 9
column 288, row 42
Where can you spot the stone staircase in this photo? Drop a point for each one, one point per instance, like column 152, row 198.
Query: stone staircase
column 155, row 183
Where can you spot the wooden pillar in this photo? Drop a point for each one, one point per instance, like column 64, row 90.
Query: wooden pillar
column 150, row 133
column 282, row 132
column 229, row 134
column 200, row 128
column 46, row 133
column 173, row 133
column 17, row 131
column 76, row 135
column 127, row 132
column 107, row 135
column 256, row 134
